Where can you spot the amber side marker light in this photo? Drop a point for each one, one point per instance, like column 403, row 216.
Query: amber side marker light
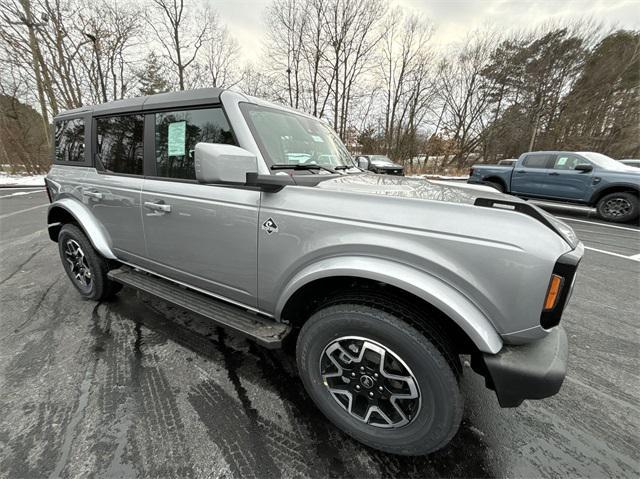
column 553, row 292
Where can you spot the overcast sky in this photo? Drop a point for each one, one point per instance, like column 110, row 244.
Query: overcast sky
column 453, row 18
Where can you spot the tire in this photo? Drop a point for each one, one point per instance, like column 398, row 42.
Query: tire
column 618, row 207
column 422, row 356
column 496, row 185
column 84, row 266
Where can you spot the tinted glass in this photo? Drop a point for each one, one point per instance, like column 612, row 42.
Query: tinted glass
column 177, row 133
column 69, row 138
column 537, row 161
column 119, row 144
column 565, row 161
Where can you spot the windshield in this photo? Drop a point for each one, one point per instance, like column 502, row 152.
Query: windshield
column 603, row 161
column 286, row 138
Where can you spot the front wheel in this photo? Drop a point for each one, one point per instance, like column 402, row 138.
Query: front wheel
column 86, row 269
column 379, row 379
column 618, row 207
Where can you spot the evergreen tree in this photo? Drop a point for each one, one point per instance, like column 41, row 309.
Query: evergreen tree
column 152, row 77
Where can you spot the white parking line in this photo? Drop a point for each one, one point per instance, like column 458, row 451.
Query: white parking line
column 600, row 224
column 20, row 193
column 635, row 257
column 22, row 211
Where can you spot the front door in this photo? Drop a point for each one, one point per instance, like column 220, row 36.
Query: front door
column 202, row 235
column 567, row 183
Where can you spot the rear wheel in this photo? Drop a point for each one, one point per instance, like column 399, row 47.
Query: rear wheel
column 495, row 184
column 379, row 379
column 618, row 207
column 86, row 269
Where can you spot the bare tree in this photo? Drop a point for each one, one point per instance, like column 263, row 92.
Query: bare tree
column 404, row 60
column 464, row 93
column 181, row 31
column 221, row 56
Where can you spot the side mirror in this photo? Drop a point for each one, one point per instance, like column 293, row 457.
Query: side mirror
column 584, row 168
column 363, row 163
column 218, row 163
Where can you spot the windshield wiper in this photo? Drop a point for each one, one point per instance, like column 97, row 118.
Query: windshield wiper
column 343, row 167
column 301, row 167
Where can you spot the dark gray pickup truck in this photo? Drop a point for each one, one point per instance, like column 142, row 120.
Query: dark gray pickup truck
column 580, row 177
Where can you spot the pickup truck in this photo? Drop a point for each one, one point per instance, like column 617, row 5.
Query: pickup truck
column 254, row 217
column 586, row 178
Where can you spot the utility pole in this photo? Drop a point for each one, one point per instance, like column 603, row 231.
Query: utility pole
column 27, row 20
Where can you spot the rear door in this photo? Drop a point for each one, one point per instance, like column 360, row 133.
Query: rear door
column 567, row 183
column 112, row 190
column 202, row 235
column 530, row 177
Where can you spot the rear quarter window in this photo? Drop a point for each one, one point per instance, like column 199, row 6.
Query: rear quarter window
column 69, row 140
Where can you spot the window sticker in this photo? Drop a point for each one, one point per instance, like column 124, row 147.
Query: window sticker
column 177, row 134
column 562, row 160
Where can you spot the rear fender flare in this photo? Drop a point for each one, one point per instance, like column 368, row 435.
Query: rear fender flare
column 419, row 283
column 87, row 221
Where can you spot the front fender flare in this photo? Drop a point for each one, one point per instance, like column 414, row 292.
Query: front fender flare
column 423, row 285
column 87, row 221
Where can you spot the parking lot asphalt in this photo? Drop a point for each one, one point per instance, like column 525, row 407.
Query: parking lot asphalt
column 137, row 388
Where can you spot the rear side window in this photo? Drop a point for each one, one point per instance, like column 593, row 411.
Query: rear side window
column 177, row 133
column 69, row 140
column 119, row 145
column 537, row 161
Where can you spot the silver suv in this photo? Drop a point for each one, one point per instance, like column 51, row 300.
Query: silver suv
column 254, row 216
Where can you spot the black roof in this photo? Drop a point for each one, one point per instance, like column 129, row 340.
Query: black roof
column 178, row 99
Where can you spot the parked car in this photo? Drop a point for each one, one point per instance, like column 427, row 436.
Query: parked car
column 631, row 162
column 579, row 177
column 379, row 283
column 508, row 162
column 379, row 164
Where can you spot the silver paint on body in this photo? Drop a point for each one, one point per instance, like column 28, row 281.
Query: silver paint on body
column 486, row 268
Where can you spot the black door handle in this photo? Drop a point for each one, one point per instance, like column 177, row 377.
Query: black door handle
column 553, row 173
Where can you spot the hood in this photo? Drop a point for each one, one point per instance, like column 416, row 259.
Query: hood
column 413, row 187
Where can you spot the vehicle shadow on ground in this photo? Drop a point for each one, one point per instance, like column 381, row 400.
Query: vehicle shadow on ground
column 257, row 446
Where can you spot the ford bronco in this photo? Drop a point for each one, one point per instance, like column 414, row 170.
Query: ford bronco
column 254, row 216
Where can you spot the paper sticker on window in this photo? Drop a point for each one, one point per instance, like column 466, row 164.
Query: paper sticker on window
column 176, row 141
column 317, row 139
column 562, row 160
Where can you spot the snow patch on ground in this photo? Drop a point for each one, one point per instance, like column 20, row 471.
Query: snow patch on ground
column 441, row 177
column 21, row 180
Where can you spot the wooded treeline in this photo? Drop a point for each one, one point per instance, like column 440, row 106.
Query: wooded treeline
column 376, row 74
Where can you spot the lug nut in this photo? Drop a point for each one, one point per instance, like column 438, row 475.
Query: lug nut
column 375, row 375
column 380, row 388
column 361, row 368
column 353, row 375
column 357, row 387
column 371, row 394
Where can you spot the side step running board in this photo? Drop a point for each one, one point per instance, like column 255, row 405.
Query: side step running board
column 267, row 332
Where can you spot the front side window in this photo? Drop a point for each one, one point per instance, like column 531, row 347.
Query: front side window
column 119, row 145
column 287, row 138
column 565, row 161
column 537, row 161
column 69, row 140
column 177, row 133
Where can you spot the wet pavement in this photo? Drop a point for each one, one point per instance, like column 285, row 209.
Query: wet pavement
column 137, row 388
